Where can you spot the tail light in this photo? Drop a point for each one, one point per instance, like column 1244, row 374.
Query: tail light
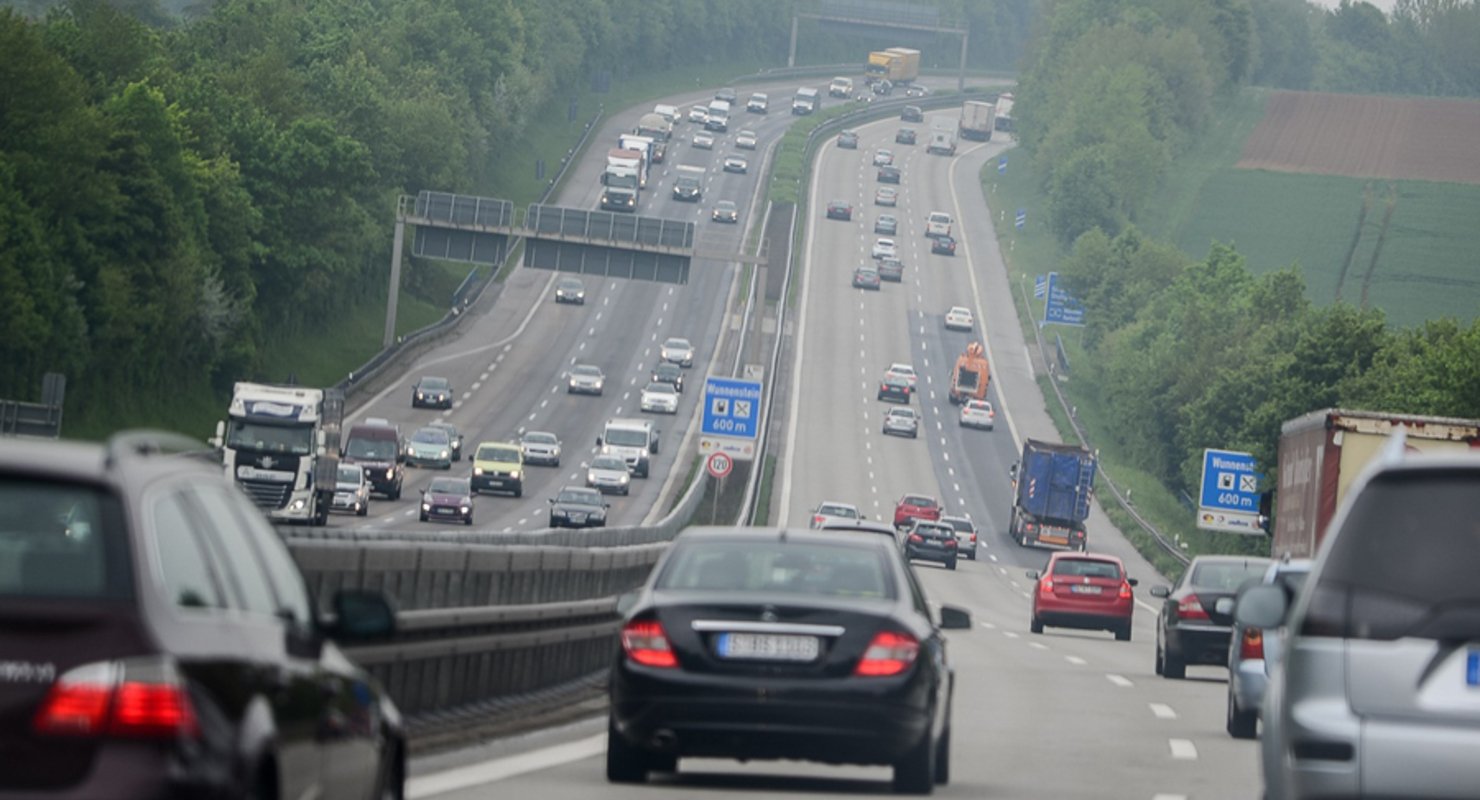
column 103, row 699
column 1125, row 590
column 1045, row 586
column 646, row 644
column 916, row 538
column 1190, row 608
column 1029, row 527
column 889, row 653
column 951, row 542
column 1252, row 644
column 817, row 519
column 973, row 538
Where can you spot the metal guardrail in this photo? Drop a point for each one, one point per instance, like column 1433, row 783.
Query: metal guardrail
column 1161, row 540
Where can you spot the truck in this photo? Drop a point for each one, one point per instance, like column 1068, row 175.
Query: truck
column 658, row 128
column 896, row 65
column 840, row 87
column 622, row 185
column 1052, row 488
column 719, row 116
column 635, row 440
column 689, row 183
column 970, row 376
column 806, row 101
column 976, row 120
column 942, row 137
column 644, row 146
column 1002, row 119
column 1322, row 453
column 281, row 446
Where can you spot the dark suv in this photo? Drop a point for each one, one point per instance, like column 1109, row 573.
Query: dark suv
column 157, row 639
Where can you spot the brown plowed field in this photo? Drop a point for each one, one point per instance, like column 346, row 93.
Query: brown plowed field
column 1397, row 138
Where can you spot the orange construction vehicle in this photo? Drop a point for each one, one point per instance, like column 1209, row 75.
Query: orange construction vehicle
column 970, row 376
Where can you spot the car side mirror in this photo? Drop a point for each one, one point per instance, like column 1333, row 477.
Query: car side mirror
column 1160, row 591
column 1032, row 573
column 552, row 501
column 598, row 441
column 423, row 492
column 1262, row 607
column 625, row 602
column 1012, row 471
column 361, row 615
column 1132, row 581
column 955, row 618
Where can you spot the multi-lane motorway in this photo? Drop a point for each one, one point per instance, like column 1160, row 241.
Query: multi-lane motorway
column 1059, row 715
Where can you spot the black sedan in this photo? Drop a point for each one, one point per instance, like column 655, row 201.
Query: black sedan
column 837, row 209
column 757, row 643
column 895, row 388
column 866, row 278
column 449, row 499
column 943, row 245
column 932, row 541
column 668, row 373
column 1190, row 629
column 430, row 392
column 905, row 136
column 578, row 507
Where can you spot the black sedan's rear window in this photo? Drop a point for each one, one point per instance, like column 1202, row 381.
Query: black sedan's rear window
column 62, row 540
column 771, row 568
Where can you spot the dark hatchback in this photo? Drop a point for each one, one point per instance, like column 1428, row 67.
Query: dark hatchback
column 449, row 499
column 905, row 136
column 1190, row 629
column 891, row 269
column 157, row 639
column 943, row 245
column 888, row 174
column 669, row 373
column 895, row 388
column 578, row 507
column 430, row 392
column 837, row 209
column 866, row 278
column 932, row 541
column 829, row 630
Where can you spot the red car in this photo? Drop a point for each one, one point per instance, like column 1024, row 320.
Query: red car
column 915, row 506
column 1079, row 590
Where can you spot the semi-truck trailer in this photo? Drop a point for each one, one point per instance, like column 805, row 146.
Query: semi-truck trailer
column 659, row 128
column 1053, row 485
column 1322, row 453
column 281, row 445
column 976, row 120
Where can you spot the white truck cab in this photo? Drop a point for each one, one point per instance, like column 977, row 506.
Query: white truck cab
column 635, row 440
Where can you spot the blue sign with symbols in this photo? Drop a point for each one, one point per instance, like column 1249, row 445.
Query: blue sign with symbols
column 732, row 407
column 1061, row 309
column 1230, row 482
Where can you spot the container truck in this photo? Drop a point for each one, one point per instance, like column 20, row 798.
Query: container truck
column 942, row 138
column 1052, row 488
column 281, row 446
column 976, row 120
column 1002, row 119
column 658, row 128
column 1322, row 453
column 970, row 376
column 644, row 146
column 896, row 65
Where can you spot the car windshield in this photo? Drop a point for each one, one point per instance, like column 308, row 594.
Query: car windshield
column 586, row 497
column 958, row 523
column 433, row 384
column 539, row 438
column 668, row 371
column 292, row 439
column 609, row 462
column 586, row 371
column 498, row 453
column 349, row 475
column 1226, row 575
column 371, row 447
column 835, row 510
column 919, row 501
column 1403, row 563
column 1086, row 568
column 772, row 568
column 623, row 437
column 430, row 436
column 570, row 283
column 61, row 540
column 725, row 205
column 677, row 344
column 659, row 388
column 448, row 486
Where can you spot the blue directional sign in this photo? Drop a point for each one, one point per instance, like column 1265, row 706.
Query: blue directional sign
column 1229, row 500
column 1002, row 165
column 1061, row 308
column 1040, row 286
column 1022, row 218
column 732, row 407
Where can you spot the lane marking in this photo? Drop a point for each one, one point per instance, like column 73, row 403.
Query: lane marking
column 1075, row 660
column 1169, row 797
column 1163, row 711
column 484, row 772
column 1010, row 634
column 1038, row 645
column 1119, row 680
column 1183, row 749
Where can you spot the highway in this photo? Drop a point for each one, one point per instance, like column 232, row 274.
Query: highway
column 1065, row 714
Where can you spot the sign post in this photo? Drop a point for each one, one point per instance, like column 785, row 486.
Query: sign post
column 1229, row 500
column 718, row 465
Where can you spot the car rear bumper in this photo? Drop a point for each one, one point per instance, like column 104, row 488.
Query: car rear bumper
column 139, row 770
column 495, row 483
column 541, row 458
column 1199, row 644
column 1108, row 618
column 942, row 555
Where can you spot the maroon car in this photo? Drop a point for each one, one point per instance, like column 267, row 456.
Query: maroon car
column 449, row 499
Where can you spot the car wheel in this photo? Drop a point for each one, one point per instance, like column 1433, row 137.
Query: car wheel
column 1123, row 633
column 468, row 520
column 519, row 491
column 1240, row 724
column 915, row 773
column 1160, row 662
column 553, row 523
column 556, row 464
column 1173, row 667
column 423, row 517
column 951, row 564
column 626, row 490
column 625, row 763
column 364, row 509
column 1035, row 625
column 943, row 758
column 396, row 495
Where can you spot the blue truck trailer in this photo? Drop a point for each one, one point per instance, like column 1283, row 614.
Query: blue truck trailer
column 1052, row 487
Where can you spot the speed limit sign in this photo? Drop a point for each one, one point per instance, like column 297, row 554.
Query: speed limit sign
column 719, row 464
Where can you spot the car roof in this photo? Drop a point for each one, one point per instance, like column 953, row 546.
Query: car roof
column 1061, row 555
column 717, row 533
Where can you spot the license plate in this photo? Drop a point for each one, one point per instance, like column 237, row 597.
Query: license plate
column 1472, row 669
column 770, row 647
column 1051, row 539
column 577, row 517
column 1085, row 589
column 446, row 511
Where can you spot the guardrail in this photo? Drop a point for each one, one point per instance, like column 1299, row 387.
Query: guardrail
column 1157, row 536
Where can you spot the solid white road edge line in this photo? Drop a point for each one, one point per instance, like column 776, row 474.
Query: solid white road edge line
column 500, row 769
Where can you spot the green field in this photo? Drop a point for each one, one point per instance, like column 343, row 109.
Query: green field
column 1425, row 268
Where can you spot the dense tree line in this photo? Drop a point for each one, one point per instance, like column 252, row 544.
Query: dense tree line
column 1184, row 353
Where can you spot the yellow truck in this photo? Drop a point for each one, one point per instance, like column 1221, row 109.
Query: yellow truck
column 896, row 65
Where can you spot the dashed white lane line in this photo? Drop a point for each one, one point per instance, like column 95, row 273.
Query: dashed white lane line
column 1169, row 797
column 485, row 772
column 1183, row 749
column 1038, row 645
column 1119, row 680
column 1163, row 711
column 1075, row 660
column 989, row 625
column 1010, row 634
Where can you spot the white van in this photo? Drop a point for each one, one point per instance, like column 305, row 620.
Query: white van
column 841, row 87
column 719, row 116
column 632, row 439
column 938, row 224
column 667, row 112
column 806, row 101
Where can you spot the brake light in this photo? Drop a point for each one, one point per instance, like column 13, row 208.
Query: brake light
column 1252, row 644
column 1028, row 526
column 889, row 653
column 973, row 538
column 98, row 699
column 817, row 519
column 1045, row 586
column 951, row 542
column 1190, row 608
column 1125, row 590
column 646, row 644
column 916, row 538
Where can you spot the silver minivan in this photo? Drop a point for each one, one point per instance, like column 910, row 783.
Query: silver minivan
column 1378, row 694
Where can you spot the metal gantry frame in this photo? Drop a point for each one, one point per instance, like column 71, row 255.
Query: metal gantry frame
column 884, row 16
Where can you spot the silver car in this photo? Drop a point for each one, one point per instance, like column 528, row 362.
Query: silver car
column 832, row 512
column 584, row 379
column 609, row 474
column 902, row 420
column 429, row 447
column 540, row 448
column 659, row 398
column 351, row 490
column 1378, row 690
column 677, row 350
column 1253, row 652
